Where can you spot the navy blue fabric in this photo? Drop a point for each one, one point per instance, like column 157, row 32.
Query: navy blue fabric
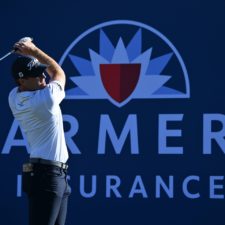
column 48, row 191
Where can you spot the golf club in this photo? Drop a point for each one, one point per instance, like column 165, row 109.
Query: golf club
column 14, row 50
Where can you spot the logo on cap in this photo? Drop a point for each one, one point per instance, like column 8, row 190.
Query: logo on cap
column 20, row 74
column 32, row 63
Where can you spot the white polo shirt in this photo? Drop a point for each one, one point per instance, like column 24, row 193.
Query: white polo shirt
column 40, row 118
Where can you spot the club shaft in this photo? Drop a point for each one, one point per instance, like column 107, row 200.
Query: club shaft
column 6, row 55
column 14, row 50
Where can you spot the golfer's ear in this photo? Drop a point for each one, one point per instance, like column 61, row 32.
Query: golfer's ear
column 21, row 81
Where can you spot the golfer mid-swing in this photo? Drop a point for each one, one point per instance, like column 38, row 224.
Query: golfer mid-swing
column 35, row 105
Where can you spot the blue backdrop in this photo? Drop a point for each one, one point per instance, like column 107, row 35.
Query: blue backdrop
column 137, row 181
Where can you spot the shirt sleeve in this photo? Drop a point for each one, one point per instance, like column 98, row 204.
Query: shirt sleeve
column 51, row 96
column 54, row 92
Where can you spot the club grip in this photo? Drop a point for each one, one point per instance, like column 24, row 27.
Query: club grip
column 24, row 39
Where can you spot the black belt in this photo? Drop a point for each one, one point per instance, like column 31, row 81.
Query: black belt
column 49, row 162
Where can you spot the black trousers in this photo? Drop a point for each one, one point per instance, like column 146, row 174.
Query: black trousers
column 48, row 191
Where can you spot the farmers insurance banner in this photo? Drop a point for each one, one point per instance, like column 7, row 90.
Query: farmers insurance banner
column 144, row 124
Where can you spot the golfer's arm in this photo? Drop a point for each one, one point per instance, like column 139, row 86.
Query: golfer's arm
column 54, row 70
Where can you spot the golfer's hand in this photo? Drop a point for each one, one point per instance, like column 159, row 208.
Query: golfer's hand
column 25, row 47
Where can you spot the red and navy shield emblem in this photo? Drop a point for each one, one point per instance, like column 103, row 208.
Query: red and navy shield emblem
column 119, row 66
column 120, row 80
